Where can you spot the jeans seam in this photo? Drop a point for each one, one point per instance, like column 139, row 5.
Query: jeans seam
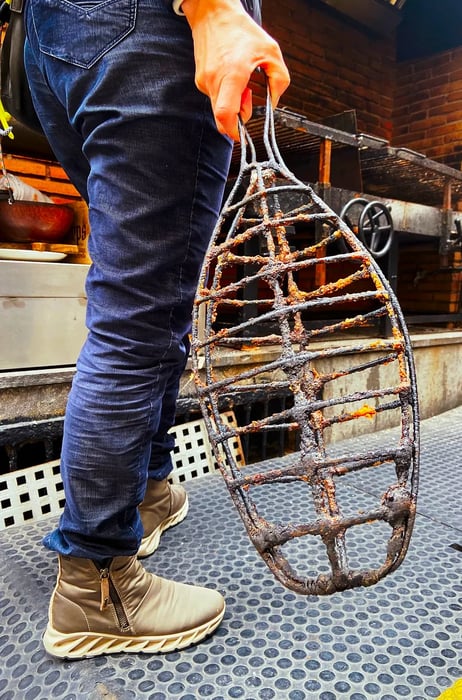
column 188, row 245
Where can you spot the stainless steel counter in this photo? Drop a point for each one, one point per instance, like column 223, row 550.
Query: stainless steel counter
column 42, row 322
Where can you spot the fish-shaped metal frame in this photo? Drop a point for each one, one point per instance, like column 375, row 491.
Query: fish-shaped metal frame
column 253, row 272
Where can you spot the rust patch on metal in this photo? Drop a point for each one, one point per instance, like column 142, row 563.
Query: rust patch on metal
column 258, row 289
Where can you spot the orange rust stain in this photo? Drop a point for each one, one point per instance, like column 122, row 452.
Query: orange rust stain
column 365, row 412
column 249, row 348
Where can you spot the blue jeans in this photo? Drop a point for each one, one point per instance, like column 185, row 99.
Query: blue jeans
column 113, row 84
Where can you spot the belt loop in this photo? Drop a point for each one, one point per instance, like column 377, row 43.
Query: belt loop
column 17, row 6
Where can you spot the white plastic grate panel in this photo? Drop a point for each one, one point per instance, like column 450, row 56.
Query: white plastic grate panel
column 193, row 454
column 29, row 494
column 32, row 493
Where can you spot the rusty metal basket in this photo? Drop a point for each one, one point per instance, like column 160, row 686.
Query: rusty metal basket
column 258, row 296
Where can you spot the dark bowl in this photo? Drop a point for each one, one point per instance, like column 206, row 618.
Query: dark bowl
column 29, row 222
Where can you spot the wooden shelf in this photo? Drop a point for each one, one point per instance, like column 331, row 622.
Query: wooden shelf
column 46, row 247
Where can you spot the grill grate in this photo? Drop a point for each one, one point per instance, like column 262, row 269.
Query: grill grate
column 386, row 171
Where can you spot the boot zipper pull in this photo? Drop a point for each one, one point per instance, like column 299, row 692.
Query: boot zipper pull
column 104, row 578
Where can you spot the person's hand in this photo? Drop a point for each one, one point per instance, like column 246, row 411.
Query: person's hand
column 228, row 47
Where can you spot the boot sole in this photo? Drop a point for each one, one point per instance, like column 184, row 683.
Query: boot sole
column 150, row 543
column 82, row 645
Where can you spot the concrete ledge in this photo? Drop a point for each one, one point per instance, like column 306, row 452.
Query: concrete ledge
column 438, row 361
column 39, row 394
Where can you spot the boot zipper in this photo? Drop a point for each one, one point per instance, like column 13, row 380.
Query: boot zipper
column 110, row 595
column 104, row 580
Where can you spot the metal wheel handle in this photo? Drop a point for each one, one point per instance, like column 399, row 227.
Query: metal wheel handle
column 352, row 211
column 371, row 222
column 376, row 228
column 351, row 214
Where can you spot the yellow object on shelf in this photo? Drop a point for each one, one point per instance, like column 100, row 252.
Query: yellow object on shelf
column 452, row 693
column 5, row 121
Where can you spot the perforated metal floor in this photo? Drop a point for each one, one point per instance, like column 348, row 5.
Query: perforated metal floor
column 399, row 639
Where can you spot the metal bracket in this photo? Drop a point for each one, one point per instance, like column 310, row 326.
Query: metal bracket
column 451, row 239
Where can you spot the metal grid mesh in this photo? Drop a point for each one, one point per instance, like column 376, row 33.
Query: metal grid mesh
column 192, row 455
column 386, row 171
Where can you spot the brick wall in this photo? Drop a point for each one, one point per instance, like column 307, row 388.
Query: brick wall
column 334, row 65
column 425, row 285
column 46, row 176
column 427, row 114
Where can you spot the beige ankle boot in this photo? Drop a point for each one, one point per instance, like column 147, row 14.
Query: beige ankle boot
column 124, row 608
column 164, row 506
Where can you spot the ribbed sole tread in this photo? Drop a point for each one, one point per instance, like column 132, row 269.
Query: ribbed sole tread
column 81, row 645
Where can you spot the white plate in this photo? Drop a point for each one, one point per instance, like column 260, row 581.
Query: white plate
column 32, row 255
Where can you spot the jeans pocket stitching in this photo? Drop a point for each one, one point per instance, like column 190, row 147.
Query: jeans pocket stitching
column 69, row 37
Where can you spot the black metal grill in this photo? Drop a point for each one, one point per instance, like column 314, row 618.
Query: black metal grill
column 386, row 171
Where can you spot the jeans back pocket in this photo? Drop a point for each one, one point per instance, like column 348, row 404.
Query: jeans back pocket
column 81, row 32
